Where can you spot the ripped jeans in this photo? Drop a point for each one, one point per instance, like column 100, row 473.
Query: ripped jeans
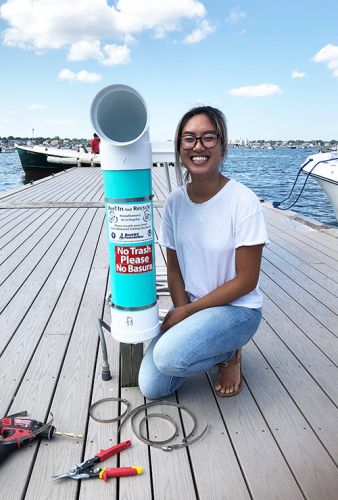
column 195, row 345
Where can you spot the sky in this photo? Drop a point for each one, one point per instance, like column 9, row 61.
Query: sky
column 271, row 67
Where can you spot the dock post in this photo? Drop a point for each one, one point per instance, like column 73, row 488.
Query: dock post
column 130, row 356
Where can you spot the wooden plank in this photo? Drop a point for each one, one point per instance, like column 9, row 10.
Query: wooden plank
column 314, row 329
column 56, row 187
column 37, row 388
column 316, row 233
column 314, row 274
column 314, row 261
column 41, row 240
column 292, row 272
column 25, row 233
column 6, row 216
column 131, row 357
column 54, row 266
column 101, row 436
column 19, row 227
column 318, row 409
column 307, row 301
column 60, row 204
column 214, row 462
column 318, row 253
column 316, row 362
column 34, row 396
column 169, row 465
column 72, row 394
column 72, row 187
column 14, row 360
column 264, row 468
column 41, row 191
column 137, row 455
column 12, row 192
column 312, row 467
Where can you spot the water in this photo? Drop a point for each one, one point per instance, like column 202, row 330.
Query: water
column 11, row 173
column 269, row 173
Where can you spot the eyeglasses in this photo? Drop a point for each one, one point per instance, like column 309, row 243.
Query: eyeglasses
column 208, row 141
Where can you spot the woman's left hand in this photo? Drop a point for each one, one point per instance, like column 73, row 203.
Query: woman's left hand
column 174, row 316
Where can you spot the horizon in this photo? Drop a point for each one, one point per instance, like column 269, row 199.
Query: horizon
column 231, row 141
column 271, row 68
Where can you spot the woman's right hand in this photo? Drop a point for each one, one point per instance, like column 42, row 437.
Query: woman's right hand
column 174, row 316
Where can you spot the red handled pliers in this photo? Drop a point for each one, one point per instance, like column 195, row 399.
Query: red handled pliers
column 88, row 468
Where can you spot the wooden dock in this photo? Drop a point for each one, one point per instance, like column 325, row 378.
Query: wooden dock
column 278, row 439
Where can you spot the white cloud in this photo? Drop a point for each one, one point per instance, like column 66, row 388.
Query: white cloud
column 333, row 64
column 34, row 107
column 298, row 74
column 328, row 54
column 235, row 15
column 43, row 24
column 262, row 90
column 85, row 49
column 81, row 76
column 108, row 55
column 85, row 76
column 203, row 30
column 115, row 54
column 133, row 16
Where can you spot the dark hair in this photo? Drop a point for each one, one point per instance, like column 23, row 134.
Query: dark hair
column 95, row 135
column 216, row 117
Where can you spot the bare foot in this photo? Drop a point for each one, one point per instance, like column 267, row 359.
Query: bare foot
column 229, row 379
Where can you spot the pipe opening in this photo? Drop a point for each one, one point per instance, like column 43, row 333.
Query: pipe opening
column 120, row 116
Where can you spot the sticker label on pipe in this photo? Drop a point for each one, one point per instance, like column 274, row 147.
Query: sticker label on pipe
column 129, row 222
column 133, row 260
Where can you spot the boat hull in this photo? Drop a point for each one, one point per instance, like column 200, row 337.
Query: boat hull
column 324, row 168
column 31, row 160
column 331, row 190
column 44, row 160
column 50, row 160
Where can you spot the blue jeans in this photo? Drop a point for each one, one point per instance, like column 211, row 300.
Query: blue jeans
column 195, row 345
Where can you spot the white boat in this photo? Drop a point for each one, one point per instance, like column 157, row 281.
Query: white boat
column 324, row 168
column 6, row 149
column 49, row 159
column 45, row 159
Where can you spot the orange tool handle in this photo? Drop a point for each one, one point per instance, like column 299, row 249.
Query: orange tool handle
column 120, row 472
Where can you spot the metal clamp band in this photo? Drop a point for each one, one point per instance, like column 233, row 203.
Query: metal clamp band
column 129, row 200
column 141, row 308
column 185, row 441
column 139, row 432
column 109, row 420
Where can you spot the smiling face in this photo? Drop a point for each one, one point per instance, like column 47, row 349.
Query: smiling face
column 201, row 160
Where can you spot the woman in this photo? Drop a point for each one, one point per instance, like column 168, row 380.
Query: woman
column 214, row 232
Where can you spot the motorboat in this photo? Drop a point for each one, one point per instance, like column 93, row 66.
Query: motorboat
column 323, row 167
column 40, row 158
column 7, row 149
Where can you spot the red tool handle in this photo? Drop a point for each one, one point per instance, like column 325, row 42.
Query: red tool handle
column 120, row 472
column 104, row 454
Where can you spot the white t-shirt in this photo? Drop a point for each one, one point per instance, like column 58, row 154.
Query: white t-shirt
column 206, row 235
